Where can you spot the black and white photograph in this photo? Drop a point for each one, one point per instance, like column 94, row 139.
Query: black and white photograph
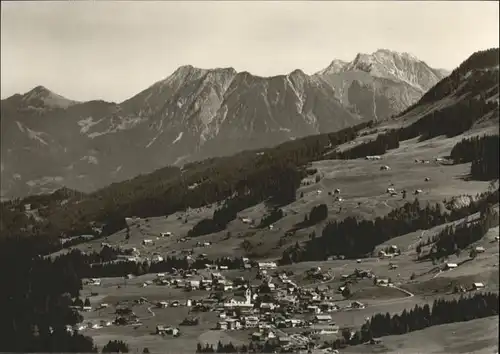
column 310, row 177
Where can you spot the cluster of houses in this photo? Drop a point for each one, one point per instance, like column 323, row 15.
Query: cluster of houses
column 275, row 305
column 267, row 306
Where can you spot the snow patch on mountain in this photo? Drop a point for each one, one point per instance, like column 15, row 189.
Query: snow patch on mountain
column 300, row 103
column 152, row 140
column 179, row 137
column 20, row 126
column 36, row 136
column 180, row 159
column 124, row 123
column 86, row 124
column 90, row 159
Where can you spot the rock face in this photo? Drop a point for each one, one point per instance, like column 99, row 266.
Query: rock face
column 381, row 84
column 49, row 141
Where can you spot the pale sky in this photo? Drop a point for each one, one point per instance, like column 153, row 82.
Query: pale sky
column 113, row 50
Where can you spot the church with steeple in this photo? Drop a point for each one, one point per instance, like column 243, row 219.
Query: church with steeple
column 234, row 303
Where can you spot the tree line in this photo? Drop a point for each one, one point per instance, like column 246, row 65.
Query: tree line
column 106, row 264
column 449, row 121
column 317, row 214
column 221, row 348
column 353, row 238
column 35, row 302
column 453, row 239
column 443, row 311
column 273, row 216
column 482, row 152
column 252, row 347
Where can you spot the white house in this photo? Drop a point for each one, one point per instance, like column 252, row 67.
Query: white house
column 157, row 258
column 324, row 328
column 222, row 325
column 105, row 323
column 162, row 304
column 95, row 281
column 313, row 309
column 251, row 321
column 233, row 323
column 450, row 266
column 293, row 322
column 194, row 284
column 246, row 220
column 267, row 265
column 479, row 249
column 165, row 234
column 382, row 282
column 267, row 306
column 322, row 318
column 147, row 242
column 477, row 286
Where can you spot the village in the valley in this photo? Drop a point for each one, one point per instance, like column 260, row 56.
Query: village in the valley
column 238, row 301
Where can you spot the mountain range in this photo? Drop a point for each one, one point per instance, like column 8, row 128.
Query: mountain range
column 49, row 141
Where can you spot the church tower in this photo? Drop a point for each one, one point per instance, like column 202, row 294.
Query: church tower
column 248, row 296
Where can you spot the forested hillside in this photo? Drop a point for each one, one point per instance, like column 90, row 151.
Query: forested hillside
column 243, row 179
column 348, row 238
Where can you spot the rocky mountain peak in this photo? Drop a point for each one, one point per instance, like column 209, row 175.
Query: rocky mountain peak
column 42, row 96
column 196, row 113
column 396, row 66
column 335, row 67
